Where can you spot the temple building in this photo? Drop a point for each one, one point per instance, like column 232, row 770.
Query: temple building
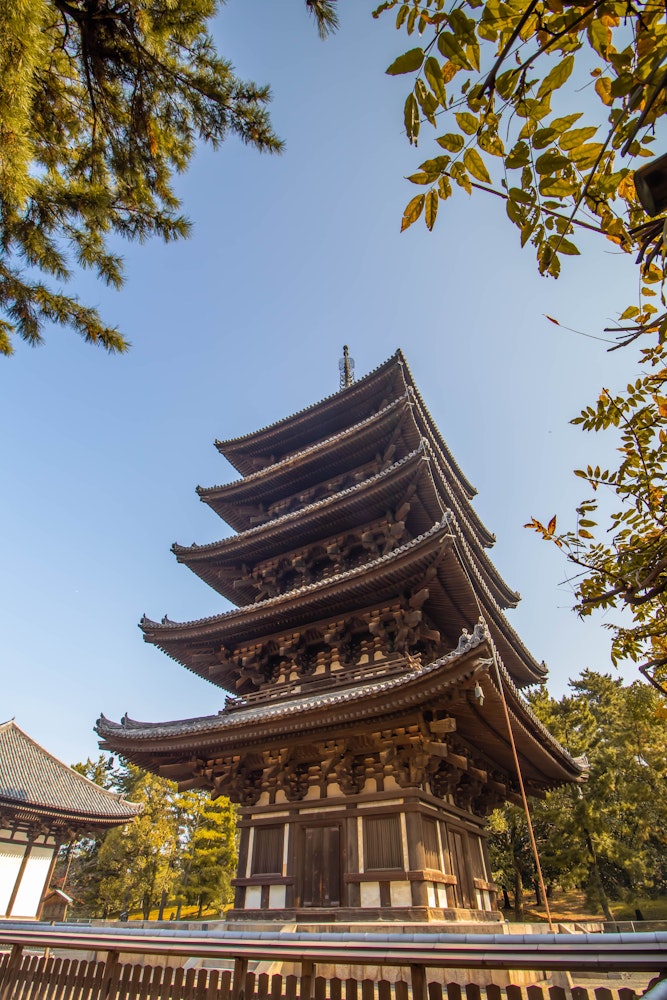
column 43, row 804
column 366, row 660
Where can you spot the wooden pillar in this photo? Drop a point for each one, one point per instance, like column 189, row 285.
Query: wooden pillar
column 21, row 872
column 48, row 880
column 353, row 889
column 416, row 857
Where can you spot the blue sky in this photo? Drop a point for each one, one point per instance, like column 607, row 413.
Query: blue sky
column 291, row 257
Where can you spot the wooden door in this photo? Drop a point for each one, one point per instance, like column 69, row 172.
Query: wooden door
column 321, row 871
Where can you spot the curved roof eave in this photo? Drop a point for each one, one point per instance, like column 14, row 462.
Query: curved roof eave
column 234, row 449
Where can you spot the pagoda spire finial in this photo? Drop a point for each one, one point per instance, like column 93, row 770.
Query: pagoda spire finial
column 346, row 369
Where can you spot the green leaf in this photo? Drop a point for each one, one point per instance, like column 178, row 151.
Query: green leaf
column 518, row 156
column 585, row 156
column 563, row 124
column 436, row 81
column 453, row 142
column 462, row 25
column 450, row 48
column 431, row 207
column 466, row 122
column 409, row 62
column 543, row 136
column 576, row 136
column 411, row 117
column 444, row 188
column 557, row 76
column 566, row 247
column 420, row 178
column 599, row 36
column 412, row 211
column 551, row 161
column 491, row 144
column 506, row 83
column 460, row 175
column 557, row 187
column 475, row 165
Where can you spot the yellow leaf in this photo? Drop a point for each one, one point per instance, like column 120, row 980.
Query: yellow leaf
column 475, row 165
column 412, row 211
column 552, row 525
column 431, row 208
column 603, row 90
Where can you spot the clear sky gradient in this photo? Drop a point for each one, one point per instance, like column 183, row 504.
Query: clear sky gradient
column 291, row 257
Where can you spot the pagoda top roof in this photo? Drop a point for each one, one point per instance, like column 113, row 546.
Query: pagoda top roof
column 34, row 783
column 327, row 417
column 246, row 726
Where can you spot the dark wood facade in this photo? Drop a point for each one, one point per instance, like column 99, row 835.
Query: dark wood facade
column 366, row 661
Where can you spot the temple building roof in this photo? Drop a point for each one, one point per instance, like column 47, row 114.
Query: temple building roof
column 35, row 785
column 448, row 681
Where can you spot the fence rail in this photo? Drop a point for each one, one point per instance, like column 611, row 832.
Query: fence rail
column 44, row 977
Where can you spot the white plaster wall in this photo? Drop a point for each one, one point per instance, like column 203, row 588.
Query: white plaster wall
column 430, row 894
column 253, row 897
column 10, row 862
column 33, row 882
column 370, row 893
column 401, row 894
column 277, row 897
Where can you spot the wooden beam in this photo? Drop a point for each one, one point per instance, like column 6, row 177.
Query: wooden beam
column 441, row 726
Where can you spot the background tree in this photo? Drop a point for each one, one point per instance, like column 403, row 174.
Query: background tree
column 101, row 102
column 183, row 845
column 208, row 855
column 607, row 835
column 501, row 85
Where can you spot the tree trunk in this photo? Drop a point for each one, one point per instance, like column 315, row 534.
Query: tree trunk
column 506, row 900
column 596, row 878
column 538, row 894
column 518, row 893
column 201, row 906
column 146, row 906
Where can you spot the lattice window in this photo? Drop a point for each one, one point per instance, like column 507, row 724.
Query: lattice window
column 383, row 845
column 267, row 855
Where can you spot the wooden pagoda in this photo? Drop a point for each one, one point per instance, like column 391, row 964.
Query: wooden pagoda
column 366, row 660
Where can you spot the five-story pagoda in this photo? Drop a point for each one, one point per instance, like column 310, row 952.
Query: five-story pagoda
column 366, row 659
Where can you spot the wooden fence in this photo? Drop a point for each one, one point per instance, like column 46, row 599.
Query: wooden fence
column 24, row 977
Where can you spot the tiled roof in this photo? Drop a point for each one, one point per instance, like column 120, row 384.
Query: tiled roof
column 131, row 737
column 268, row 474
column 32, row 780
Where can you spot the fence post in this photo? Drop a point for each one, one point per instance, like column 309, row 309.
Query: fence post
column 238, row 982
column 109, row 969
column 307, row 979
column 418, row 977
column 12, row 968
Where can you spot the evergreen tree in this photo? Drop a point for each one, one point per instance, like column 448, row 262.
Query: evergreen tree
column 100, row 103
column 608, row 834
column 208, row 853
